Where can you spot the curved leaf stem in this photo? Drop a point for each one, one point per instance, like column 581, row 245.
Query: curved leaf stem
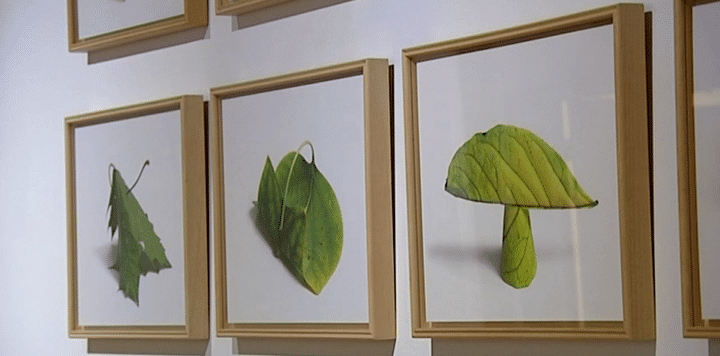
column 287, row 182
column 110, row 173
column 147, row 163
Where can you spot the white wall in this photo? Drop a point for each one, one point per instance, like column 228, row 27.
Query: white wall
column 41, row 83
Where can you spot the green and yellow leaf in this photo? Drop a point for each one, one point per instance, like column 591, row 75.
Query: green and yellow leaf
column 519, row 263
column 511, row 165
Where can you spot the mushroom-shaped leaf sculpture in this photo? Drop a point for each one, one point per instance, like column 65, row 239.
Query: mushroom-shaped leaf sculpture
column 514, row 167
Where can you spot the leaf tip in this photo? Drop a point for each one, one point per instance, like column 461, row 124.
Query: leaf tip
column 315, row 290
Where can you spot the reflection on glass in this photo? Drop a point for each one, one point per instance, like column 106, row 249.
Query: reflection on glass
column 561, row 88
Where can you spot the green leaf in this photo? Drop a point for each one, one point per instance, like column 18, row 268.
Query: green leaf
column 269, row 205
column 293, row 242
column 519, row 263
column 510, row 165
column 309, row 232
column 140, row 250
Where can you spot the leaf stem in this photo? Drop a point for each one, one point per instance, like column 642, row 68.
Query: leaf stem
column 147, row 163
column 110, row 173
column 287, row 182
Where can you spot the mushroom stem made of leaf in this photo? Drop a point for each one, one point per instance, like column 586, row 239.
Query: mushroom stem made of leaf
column 519, row 262
column 512, row 166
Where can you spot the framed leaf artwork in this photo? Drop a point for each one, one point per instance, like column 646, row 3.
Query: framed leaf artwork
column 697, row 27
column 239, row 7
column 137, row 227
column 528, row 181
column 95, row 25
column 303, row 212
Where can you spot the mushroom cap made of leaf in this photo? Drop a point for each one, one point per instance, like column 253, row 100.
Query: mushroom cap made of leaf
column 513, row 166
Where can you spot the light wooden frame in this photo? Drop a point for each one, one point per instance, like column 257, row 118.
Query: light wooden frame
column 378, row 199
column 197, row 316
column 195, row 15
column 633, row 179
column 693, row 323
column 239, row 7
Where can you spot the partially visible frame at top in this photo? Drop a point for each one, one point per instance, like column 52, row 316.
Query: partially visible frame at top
column 693, row 323
column 239, row 7
column 638, row 322
column 195, row 15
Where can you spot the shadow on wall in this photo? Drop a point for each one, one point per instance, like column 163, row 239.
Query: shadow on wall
column 491, row 256
column 148, row 347
column 280, row 11
column 108, row 254
column 149, row 45
column 713, row 347
column 267, row 346
column 542, row 348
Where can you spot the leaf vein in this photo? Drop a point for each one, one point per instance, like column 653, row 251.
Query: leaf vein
column 512, row 170
column 524, row 253
column 482, row 169
column 565, row 189
column 532, row 164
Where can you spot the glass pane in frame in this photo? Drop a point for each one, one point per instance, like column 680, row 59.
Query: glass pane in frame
column 697, row 87
column 269, row 125
column 126, row 145
column 706, row 59
column 543, row 86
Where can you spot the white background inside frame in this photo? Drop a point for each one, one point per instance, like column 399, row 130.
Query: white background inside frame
column 330, row 115
column 706, row 43
column 127, row 144
column 562, row 89
column 97, row 17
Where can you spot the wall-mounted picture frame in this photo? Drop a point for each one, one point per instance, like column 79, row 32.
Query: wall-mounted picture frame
column 97, row 25
column 137, row 226
column 697, row 103
column 239, row 7
column 528, row 117
column 303, row 197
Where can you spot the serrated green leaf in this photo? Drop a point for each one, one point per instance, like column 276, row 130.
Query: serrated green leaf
column 310, row 232
column 127, row 264
column 512, row 166
column 140, row 250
